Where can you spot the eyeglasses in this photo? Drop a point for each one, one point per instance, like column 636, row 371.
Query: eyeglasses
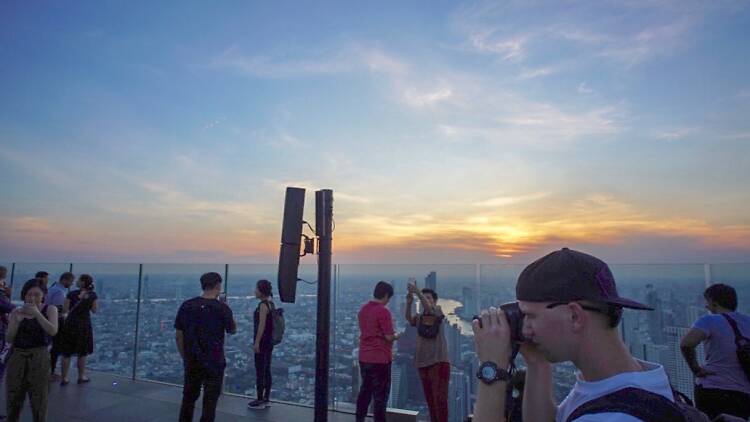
column 588, row 308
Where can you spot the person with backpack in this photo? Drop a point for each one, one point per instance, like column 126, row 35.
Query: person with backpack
column 263, row 323
column 200, row 328
column 722, row 385
column 431, row 354
column 571, row 312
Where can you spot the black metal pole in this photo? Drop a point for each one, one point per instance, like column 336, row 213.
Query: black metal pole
column 323, row 228
column 12, row 273
column 137, row 320
column 70, row 267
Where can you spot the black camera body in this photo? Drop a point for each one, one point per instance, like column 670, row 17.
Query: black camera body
column 515, row 320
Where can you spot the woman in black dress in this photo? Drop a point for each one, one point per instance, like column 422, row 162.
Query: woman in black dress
column 77, row 335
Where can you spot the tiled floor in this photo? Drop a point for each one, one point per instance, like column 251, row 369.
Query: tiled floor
column 110, row 398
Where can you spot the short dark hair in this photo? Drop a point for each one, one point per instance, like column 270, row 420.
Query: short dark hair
column 3, row 270
column 41, row 274
column 210, row 280
column 614, row 315
column 30, row 284
column 67, row 275
column 427, row 291
column 264, row 286
column 724, row 295
column 383, row 290
column 88, row 281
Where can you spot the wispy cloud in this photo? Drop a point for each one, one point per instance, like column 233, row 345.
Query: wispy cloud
column 675, row 134
column 502, row 201
column 583, row 88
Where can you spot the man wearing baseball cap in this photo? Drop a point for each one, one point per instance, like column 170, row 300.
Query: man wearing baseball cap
column 572, row 310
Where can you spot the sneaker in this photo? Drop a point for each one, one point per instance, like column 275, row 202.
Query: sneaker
column 267, row 402
column 257, row 404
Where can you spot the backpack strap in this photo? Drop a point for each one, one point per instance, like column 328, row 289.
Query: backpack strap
column 737, row 334
column 636, row 402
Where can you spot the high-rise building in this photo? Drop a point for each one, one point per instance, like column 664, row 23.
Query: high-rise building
column 453, row 338
column 655, row 317
column 430, row 281
column 470, row 303
column 458, row 397
column 400, row 381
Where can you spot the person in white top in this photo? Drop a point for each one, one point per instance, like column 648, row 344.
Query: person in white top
column 721, row 385
column 571, row 310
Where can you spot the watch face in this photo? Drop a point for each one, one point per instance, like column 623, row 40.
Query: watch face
column 488, row 373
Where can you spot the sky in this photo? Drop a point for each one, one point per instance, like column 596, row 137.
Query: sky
column 450, row 132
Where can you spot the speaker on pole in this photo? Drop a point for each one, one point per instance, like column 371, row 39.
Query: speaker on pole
column 291, row 238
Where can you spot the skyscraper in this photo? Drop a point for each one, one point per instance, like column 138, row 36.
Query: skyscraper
column 458, row 397
column 470, row 303
column 655, row 317
column 430, row 281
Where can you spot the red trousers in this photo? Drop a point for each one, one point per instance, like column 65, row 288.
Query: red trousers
column 435, row 379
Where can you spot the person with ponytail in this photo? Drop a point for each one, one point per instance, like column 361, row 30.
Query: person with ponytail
column 263, row 343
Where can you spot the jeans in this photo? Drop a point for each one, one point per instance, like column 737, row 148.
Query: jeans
column 198, row 375
column 435, row 379
column 714, row 402
column 376, row 386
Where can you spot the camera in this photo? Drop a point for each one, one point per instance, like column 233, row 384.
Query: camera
column 515, row 320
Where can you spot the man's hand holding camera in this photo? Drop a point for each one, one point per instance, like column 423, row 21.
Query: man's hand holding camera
column 492, row 337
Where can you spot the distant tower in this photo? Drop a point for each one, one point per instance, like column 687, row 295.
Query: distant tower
column 430, row 281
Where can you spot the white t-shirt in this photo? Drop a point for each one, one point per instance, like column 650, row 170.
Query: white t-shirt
column 652, row 378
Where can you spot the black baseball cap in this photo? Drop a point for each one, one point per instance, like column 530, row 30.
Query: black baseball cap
column 567, row 275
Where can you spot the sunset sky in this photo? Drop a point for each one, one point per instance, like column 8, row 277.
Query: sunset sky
column 450, row 132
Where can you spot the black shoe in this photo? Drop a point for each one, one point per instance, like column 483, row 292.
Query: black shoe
column 84, row 380
column 63, row 383
column 257, row 404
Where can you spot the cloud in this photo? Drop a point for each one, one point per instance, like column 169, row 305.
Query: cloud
column 345, row 59
column 510, row 49
column 427, row 99
column 675, row 134
column 583, row 88
column 538, row 72
column 502, row 201
column 214, row 123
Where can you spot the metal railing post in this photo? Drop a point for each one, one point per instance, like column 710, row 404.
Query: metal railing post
column 137, row 320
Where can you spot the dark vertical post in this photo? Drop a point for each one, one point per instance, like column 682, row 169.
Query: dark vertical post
column 226, row 278
column 137, row 319
column 12, row 273
column 645, row 354
column 70, row 267
column 323, row 228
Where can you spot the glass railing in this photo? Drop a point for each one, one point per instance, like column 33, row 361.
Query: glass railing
column 141, row 301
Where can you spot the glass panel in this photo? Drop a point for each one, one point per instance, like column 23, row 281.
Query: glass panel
column 458, row 291
column 165, row 287
column 25, row 271
column 293, row 362
column 116, row 286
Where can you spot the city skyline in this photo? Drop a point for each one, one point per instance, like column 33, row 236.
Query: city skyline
column 479, row 132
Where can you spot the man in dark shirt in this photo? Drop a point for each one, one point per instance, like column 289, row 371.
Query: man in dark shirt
column 201, row 323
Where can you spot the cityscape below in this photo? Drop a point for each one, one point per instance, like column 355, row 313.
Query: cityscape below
column 675, row 291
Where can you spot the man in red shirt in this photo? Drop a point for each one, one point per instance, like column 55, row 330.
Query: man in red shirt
column 375, row 353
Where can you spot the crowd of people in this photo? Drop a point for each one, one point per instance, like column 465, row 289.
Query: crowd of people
column 570, row 310
column 52, row 322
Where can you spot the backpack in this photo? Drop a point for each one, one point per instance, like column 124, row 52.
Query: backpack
column 644, row 405
column 428, row 326
column 277, row 316
column 743, row 346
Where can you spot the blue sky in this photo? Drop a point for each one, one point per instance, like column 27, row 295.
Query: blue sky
column 449, row 132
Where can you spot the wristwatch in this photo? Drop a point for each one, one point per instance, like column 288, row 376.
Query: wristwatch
column 488, row 373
